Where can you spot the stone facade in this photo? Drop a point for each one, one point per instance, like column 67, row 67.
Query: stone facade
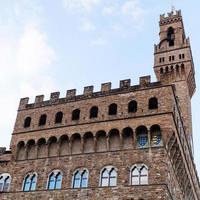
column 141, row 133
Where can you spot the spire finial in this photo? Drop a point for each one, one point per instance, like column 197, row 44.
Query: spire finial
column 173, row 9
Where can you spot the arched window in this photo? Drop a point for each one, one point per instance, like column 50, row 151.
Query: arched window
column 94, row 112
column 5, row 180
column 170, row 36
column 42, row 120
column 76, row 114
column 112, row 109
column 30, row 182
column 153, row 103
column 156, row 137
column 108, row 177
column 132, row 107
column 59, row 117
column 80, row 179
column 54, row 180
column 139, row 175
column 27, row 122
column 142, row 136
column 21, row 152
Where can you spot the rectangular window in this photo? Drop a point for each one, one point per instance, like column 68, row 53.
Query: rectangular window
column 183, row 56
column 51, row 185
column 135, row 180
column 113, row 181
column 172, row 57
column 179, row 56
column 104, row 182
column 143, row 180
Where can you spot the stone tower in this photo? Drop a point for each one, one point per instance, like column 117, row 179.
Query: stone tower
column 173, row 64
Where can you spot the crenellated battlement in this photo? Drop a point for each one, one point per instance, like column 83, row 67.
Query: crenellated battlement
column 171, row 17
column 88, row 92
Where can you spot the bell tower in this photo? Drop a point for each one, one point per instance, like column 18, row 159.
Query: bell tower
column 173, row 64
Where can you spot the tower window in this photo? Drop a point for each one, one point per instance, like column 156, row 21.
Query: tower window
column 132, row 107
column 58, row 118
column 139, row 174
column 112, row 109
column 76, row 114
column 30, row 182
column 156, row 137
column 27, row 122
column 54, row 180
column 80, row 179
column 94, row 112
column 42, row 120
column 153, row 103
column 173, row 58
column 108, row 177
column 170, row 36
column 5, row 180
column 142, row 136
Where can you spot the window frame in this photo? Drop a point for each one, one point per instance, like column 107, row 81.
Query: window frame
column 94, row 110
column 42, row 122
column 5, row 177
column 112, row 109
column 59, row 117
column 139, row 168
column 80, row 184
column 109, row 169
column 31, row 179
column 27, row 124
column 55, row 174
column 75, row 116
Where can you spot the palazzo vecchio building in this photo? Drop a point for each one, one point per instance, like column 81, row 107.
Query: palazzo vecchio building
column 129, row 143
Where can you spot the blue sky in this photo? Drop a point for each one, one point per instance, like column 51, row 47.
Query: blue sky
column 55, row 45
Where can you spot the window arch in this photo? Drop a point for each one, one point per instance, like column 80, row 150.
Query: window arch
column 43, row 119
column 108, row 177
column 170, row 36
column 80, row 178
column 5, row 180
column 156, row 137
column 21, row 155
column 94, row 112
column 132, row 107
column 30, row 182
column 161, row 70
column 54, row 180
column 153, row 103
column 76, row 114
column 142, row 136
column 59, row 117
column 139, row 175
column 112, row 109
column 27, row 122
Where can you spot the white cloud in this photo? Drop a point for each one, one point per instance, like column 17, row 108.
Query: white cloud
column 34, row 54
column 111, row 17
column 87, row 26
column 25, row 60
column 109, row 10
column 99, row 42
column 80, row 5
column 132, row 9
